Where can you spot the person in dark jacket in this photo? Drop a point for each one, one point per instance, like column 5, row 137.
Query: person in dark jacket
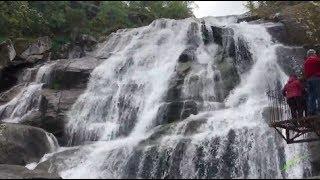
column 293, row 91
column 312, row 74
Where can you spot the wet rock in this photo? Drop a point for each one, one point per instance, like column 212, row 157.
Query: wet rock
column 73, row 73
column 21, row 172
column 59, row 161
column 217, row 34
column 10, row 94
column 20, row 144
column 176, row 111
column 177, row 156
column 158, row 133
column 229, row 74
column 224, row 37
column 188, row 55
column 193, row 126
column 243, row 59
column 229, row 47
column 185, row 62
column 7, row 53
column 53, row 109
column 130, row 169
column 192, row 35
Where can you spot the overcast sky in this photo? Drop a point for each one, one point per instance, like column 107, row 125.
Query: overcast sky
column 219, row 8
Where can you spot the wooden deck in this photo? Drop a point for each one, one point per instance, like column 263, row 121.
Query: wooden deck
column 298, row 130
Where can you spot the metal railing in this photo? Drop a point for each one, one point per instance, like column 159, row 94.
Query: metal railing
column 278, row 108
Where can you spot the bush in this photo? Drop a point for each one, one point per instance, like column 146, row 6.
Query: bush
column 304, row 15
column 70, row 18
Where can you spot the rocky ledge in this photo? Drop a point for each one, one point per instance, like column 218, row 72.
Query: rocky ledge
column 21, row 172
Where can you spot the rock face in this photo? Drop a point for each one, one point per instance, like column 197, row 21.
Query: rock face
column 54, row 105
column 21, row 172
column 7, row 53
column 278, row 32
column 10, row 94
column 72, row 73
column 22, row 144
column 36, row 50
column 83, row 44
column 175, row 108
column 291, row 59
column 66, row 82
column 57, row 162
column 232, row 60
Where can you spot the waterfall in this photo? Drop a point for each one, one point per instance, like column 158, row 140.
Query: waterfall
column 164, row 105
column 124, row 92
column 27, row 100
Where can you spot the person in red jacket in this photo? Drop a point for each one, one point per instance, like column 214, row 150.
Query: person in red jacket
column 312, row 75
column 293, row 91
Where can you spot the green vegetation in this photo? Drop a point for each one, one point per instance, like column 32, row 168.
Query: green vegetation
column 67, row 19
column 304, row 14
column 293, row 162
column 264, row 9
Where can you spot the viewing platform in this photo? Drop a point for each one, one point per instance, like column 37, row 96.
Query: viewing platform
column 306, row 129
column 299, row 130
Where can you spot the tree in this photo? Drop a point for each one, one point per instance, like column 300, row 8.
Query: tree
column 69, row 18
column 19, row 18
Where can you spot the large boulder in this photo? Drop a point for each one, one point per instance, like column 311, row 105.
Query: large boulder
column 54, row 105
column 59, row 161
column 72, row 73
column 7, row 53
column 21, row 144
column 21, row 172
column 37, row 50
column 66, row 82
column 10, row 94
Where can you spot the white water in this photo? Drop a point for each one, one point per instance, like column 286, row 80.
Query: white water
column 28, row 98
column 27, row 101
column 153, row 52
column 125, row 92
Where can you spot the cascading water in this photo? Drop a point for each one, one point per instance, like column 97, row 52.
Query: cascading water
column 144, row 73
column 28, row 99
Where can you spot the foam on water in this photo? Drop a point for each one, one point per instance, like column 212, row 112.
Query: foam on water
column 124, row 94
